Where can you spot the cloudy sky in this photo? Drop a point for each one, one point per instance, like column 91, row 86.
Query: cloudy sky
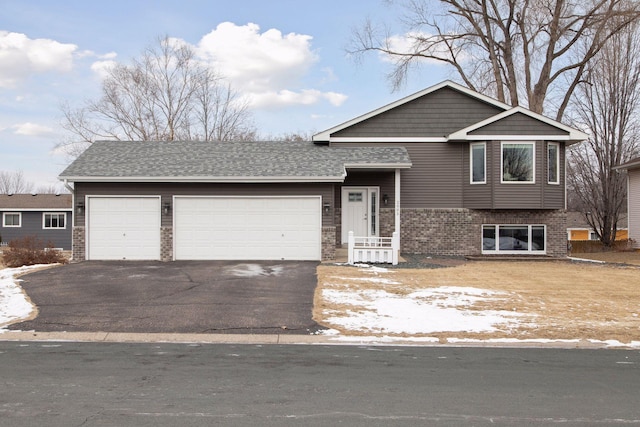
column 287, row 56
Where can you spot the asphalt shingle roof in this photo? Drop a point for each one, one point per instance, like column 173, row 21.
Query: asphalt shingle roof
column 38, row 201
column 227, row 160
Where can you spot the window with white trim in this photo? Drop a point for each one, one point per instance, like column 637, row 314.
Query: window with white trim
column 553, row 163
column 54, row 220
column 518, row 162
column 12, row 219
column 513, row 239
column 478, row 163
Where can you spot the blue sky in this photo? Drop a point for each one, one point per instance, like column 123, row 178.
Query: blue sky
column 287, row 56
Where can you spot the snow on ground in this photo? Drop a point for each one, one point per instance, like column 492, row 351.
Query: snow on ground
column 14, row 304
column 441, row 309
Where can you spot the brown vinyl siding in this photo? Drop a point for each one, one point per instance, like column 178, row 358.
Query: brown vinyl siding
column 497, row 195
column 433, row 115
column 434, row 180
column 554, row 194
column 168, row 190
column 355, row 178
column 519, row 124
column 477, row 196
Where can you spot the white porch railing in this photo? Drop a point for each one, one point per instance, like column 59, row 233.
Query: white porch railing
column 373, row 249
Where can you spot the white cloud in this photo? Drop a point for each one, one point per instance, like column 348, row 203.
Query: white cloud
column 32, row 129
column 286, row 98
column 21, row 56
column 407, row 43
column 101, row 68
column 266, row 66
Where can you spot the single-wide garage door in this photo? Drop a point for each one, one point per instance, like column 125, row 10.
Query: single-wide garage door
column 247, row 228
column 123, row 228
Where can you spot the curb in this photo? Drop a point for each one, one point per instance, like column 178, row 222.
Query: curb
column 267, row 339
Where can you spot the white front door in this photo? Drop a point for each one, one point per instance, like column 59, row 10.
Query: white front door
column 359, row 212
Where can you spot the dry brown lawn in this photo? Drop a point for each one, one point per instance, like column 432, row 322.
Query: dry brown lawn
column 561, row 300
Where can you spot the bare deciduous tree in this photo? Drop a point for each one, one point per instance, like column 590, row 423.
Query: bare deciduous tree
column 14, row 183
column 521, row 51
column 164, row 95
column 609, row 104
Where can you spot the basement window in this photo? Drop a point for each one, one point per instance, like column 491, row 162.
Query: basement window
column 513, row 239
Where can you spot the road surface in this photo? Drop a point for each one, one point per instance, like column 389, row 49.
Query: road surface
column 106, row 384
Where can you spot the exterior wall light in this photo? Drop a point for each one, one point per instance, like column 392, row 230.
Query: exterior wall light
column 166, row 208
column 326, row 207
column 385, row 199
column 80, row 208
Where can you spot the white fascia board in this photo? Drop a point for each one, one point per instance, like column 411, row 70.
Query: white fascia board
column 378, row 165
column 574, row 135
column 627, row 166
column 188, row 179
column 517, row 138
column 388, row 139
column 324, row 136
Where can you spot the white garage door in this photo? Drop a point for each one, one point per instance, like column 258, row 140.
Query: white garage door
column 123, row 228
column 247, row 228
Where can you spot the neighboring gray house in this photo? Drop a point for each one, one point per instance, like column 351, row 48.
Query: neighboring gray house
column 453, row 171
column 632, row 168
column 45, row 216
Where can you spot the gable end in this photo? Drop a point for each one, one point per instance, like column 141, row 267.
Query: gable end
column 519, row 123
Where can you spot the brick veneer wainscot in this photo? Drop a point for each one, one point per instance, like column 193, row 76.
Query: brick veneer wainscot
column 458, row 232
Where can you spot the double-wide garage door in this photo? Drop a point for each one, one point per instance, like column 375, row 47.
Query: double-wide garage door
column 247, row 228
column 206, row 228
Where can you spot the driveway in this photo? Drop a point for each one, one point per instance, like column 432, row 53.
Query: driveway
column 173, row 297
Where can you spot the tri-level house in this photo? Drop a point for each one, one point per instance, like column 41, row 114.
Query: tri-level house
column 447, row 171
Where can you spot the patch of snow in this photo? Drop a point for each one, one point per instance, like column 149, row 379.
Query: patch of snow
column 372, row 268
column 14, row 304
column 616, row 343
column 379, row 280
column 255, row 270
column 383, row 339
column 512, row 341
column 443, row 309
column 586, row 260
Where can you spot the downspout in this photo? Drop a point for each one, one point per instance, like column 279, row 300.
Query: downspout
column 73, row 199
column 397, row 202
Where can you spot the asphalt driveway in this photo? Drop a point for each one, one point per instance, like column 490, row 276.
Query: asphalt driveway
column 174, row 297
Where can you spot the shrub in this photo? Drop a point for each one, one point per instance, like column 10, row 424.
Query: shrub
column 30, row 250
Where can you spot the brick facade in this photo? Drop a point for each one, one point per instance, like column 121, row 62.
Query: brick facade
column 328, row 243
column 166, row 244
column 78, row 244
column 457, row 232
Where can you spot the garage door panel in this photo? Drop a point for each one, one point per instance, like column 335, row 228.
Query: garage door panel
column 247, row 228
column 123, row 228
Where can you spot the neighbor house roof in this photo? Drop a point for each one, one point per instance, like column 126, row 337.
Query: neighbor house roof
column 192, row 161
column 631, row 164
column 35, row 202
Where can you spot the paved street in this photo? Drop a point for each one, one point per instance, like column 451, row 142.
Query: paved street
column 98, row 384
